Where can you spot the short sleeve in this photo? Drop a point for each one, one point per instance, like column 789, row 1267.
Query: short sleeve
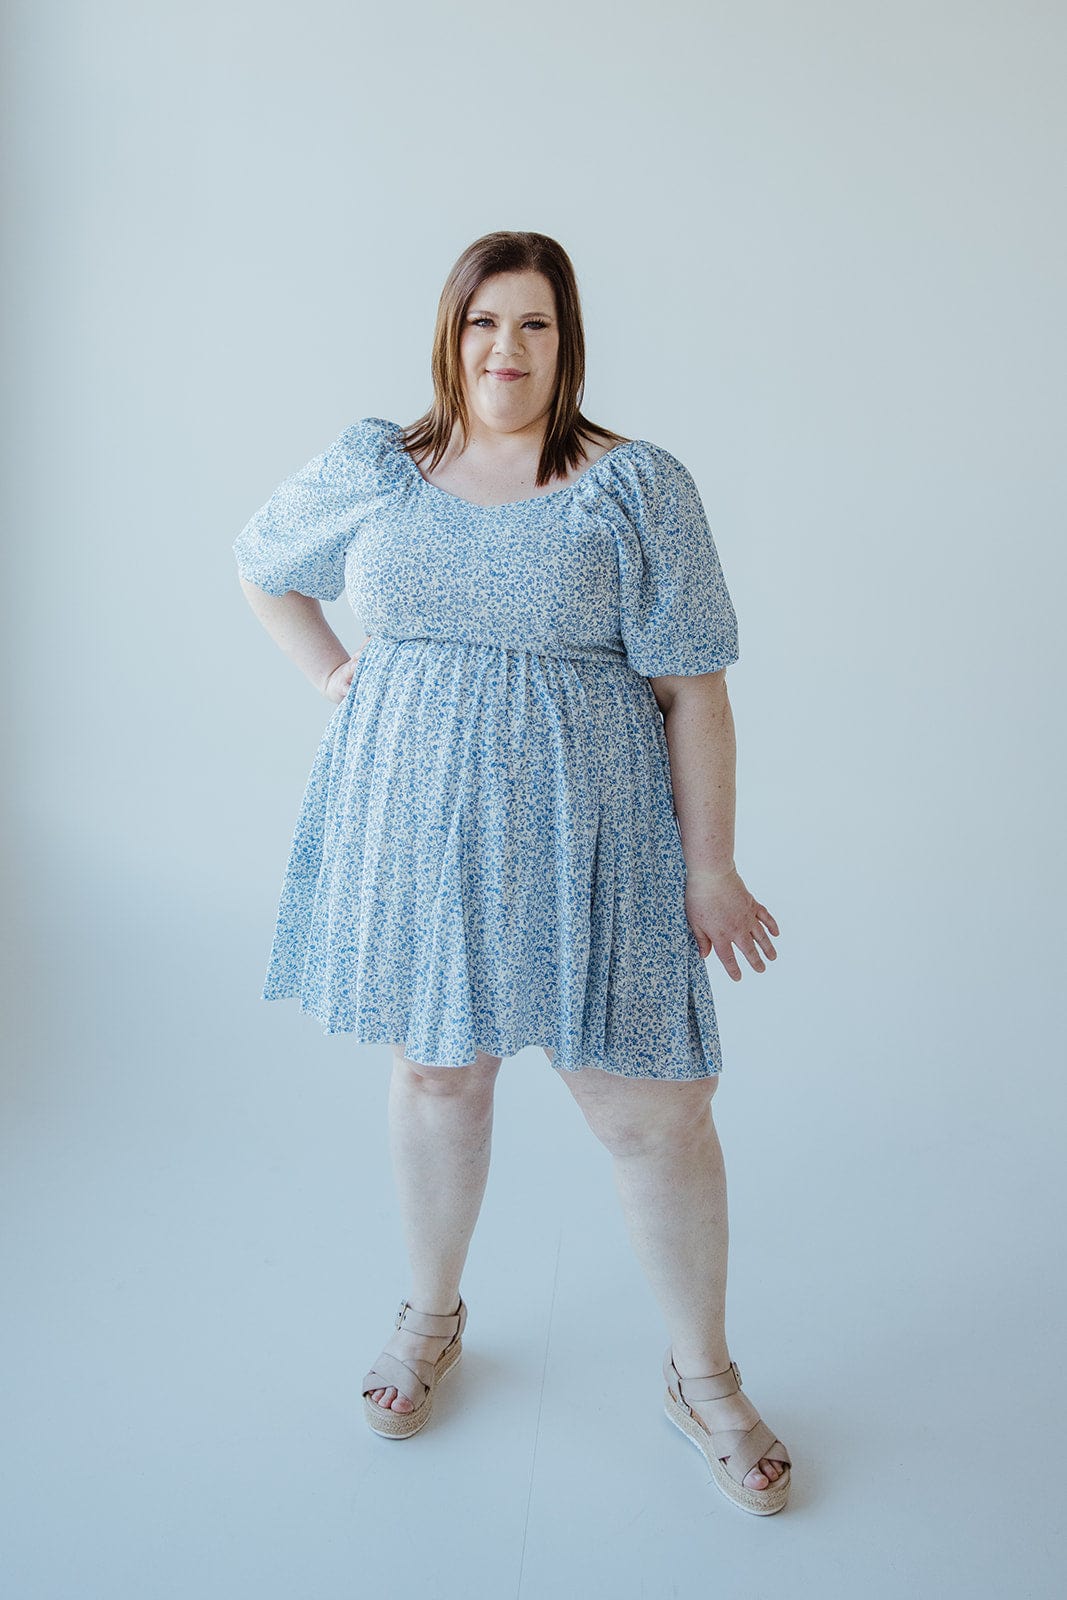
column 677, row 616
column 299, row 539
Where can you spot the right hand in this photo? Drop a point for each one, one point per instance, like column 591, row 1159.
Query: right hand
column 339, row 681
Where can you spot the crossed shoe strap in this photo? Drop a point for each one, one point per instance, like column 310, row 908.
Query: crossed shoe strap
column 746, row 1447
column 390, row 1372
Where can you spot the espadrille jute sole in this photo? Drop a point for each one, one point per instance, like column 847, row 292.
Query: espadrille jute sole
column 401, row 1424
column 763, row 1502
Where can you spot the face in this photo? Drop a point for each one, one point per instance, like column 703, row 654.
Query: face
column 510, row 326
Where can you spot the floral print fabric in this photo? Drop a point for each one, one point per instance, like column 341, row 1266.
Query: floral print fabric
column 486, row 855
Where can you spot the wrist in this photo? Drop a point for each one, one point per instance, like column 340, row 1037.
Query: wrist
column 711, row 873
column 324, row 683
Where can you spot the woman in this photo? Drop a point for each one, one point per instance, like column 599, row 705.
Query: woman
column 519, row 825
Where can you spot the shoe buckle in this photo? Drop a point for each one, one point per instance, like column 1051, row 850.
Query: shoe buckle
column 737, row 1373
column 400, row 1313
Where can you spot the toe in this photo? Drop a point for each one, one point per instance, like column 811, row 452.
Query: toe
column 756, row 1479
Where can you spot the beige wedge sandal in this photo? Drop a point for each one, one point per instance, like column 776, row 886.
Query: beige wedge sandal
column 745, row 1447
column 415, row 1380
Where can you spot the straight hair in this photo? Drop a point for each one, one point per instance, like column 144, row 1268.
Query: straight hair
column 567, row 427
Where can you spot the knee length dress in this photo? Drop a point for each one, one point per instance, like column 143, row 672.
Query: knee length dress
column 487, row 855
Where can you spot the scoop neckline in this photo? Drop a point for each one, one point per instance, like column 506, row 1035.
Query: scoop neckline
column 507, row 505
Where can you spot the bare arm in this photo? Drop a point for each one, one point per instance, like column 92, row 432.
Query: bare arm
column 699, row 723
column 296, row 624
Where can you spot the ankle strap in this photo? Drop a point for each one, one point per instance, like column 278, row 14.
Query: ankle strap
column 431, row 1323
column 712, row 1386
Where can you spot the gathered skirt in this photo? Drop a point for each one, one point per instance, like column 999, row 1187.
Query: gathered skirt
column 487, row 857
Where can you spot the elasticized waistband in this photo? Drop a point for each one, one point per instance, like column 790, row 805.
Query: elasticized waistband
column 576, row 652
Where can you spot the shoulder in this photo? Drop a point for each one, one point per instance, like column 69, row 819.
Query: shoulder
column 369, row 436
column 645, row 474
column 367, row 452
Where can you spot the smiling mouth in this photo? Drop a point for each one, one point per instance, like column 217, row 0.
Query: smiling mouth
column 504, row 372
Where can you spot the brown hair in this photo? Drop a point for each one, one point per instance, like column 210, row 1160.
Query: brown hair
column 509, row 252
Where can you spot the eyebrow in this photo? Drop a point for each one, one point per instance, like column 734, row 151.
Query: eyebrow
column 474, row 312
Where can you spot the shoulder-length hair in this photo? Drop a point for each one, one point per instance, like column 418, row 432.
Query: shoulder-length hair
column 567, row 427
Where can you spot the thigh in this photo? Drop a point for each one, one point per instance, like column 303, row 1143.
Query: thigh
column 636, row 1107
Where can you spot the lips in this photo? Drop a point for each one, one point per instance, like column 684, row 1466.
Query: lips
column 505, row 372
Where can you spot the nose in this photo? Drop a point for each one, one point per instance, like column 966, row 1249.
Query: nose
column 507, row 341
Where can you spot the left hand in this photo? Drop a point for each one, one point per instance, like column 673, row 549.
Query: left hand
column 722, row 913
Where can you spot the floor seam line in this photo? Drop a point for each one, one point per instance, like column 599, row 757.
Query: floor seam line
column 540, row 1407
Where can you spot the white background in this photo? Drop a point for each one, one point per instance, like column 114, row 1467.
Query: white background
column 821, row 252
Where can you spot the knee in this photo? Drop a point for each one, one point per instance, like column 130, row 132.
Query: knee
column 472, row 1080
column 660, row 1117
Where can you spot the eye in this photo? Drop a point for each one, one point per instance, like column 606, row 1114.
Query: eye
column 534, row 322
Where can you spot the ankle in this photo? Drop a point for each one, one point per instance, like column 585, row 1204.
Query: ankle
column 431, row 1306
column 701, row 1362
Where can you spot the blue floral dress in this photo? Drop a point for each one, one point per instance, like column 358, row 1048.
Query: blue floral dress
column 487, row 854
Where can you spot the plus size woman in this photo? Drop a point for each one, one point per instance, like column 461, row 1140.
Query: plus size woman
column 519, row 826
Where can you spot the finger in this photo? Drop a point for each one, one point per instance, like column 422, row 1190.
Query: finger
column 765, row 916
column 729, row 960
column 764, row 943
column 751, row 954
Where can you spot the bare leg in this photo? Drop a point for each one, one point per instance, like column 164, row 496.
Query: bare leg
column 670, row 1176
column 440, row 1137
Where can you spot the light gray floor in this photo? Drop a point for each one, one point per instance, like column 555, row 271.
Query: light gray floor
column 201, row 1258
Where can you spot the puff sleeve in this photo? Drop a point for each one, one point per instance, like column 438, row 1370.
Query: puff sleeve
column 676, row 614
column 300, row 537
